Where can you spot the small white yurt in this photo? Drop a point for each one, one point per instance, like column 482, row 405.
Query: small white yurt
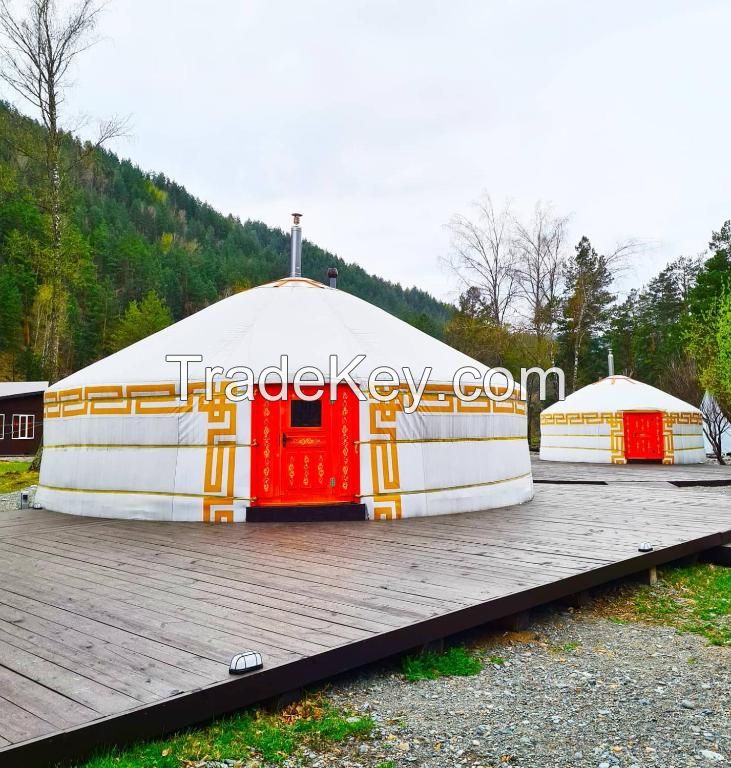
column 619, row 420
column 121, row 441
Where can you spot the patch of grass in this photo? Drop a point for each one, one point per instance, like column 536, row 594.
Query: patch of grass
column 250, row 734
column 694, row 598
column 569, row 647
column 497, row 660
column 386, row 764
column 14, row 475
column 456, row 661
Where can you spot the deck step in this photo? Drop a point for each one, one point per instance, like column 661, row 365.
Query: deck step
column 309, row 514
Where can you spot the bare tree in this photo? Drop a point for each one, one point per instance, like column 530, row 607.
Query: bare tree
column 715, row 425
column 483, row 257
column 36, row 52
column 681, row 379
column 539, row 245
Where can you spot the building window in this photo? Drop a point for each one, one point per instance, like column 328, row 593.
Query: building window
column 2, row 427
column 23, row 426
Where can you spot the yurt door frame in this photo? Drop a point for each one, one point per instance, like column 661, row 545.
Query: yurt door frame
column 305, row 452
column 643, row 435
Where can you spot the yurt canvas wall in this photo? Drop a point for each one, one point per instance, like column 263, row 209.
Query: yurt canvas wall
column 617, row 420
column 121, row 443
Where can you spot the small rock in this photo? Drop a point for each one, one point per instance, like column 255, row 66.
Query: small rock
column 687, row 704
column 712, row 757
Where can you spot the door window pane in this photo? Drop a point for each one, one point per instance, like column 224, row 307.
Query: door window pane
column 305, row 414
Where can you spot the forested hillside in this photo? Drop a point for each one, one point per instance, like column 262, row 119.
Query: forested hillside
column 139, row 251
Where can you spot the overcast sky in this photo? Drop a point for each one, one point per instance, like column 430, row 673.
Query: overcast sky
column 380, row 120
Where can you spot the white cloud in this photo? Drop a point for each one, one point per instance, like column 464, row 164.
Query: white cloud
column 379, row 120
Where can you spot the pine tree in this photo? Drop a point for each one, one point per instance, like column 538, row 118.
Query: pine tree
column 586, row 303
column 140, row 320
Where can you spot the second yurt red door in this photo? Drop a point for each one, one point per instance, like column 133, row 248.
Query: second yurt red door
column 643, row 435
column 304, row 452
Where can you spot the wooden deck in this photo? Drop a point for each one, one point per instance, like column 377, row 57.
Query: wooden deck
column 600, row 474
column 117, row 630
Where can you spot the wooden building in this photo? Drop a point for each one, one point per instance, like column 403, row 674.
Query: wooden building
column 21, row 417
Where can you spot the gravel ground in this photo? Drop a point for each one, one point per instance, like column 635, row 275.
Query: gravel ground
column 10, row 501
column 574, row 691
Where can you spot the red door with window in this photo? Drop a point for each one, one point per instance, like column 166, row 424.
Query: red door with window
column 643, row 436
column 305, row 452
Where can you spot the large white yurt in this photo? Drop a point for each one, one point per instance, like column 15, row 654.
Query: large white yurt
column 618, row 420
column 121, row 441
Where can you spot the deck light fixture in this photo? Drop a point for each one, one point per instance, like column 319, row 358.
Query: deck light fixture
column 247, row 661
column 645, row 547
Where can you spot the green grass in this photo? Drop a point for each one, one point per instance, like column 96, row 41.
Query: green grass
column 247, row 735
column 456, row 661
column 386, row 764
column 694, row 599
column 14, row 475
column 497, row 660
column 569, row 647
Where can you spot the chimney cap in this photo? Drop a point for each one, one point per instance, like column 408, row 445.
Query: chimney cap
column 332, row 272
column 296, row 217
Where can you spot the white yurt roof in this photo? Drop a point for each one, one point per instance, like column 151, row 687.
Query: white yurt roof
column 620, row 393
column 297, row 317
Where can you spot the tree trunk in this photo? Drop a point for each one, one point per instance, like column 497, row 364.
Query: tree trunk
column 35, row 465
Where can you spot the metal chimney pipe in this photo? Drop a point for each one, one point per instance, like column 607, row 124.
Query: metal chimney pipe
column 296, row 261
column 610, row 362
column 332, row 276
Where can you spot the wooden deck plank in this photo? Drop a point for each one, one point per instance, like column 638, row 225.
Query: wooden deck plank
column 17, row 724
column 67, row 682
column 42, row 702
column 113, row 617
column 205, row 641
column 171, row 603
column 575, row 471
column 140, row 573
column 184, row 659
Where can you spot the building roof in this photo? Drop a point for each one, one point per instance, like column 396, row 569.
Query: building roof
column 620, row 393
column 20, row 388
column 297, row 317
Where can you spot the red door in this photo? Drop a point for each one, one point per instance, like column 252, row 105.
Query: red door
column 305, row 452
column 643, row 436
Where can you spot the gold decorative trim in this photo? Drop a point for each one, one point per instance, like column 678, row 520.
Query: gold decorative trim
column 161, row 399
column 384, row 461
column 287, row 280
column 132, row 493
column 456, row 487
column 577, row 447
column 137, row 445
column 441, row 440
column 602, row 417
